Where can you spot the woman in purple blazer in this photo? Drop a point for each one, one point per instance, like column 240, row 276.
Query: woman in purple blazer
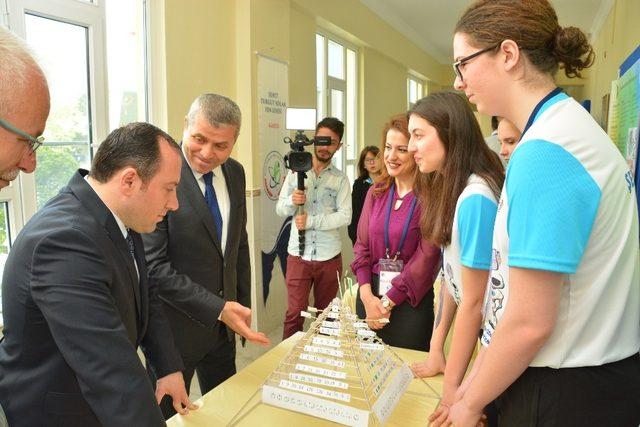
column 394, row 265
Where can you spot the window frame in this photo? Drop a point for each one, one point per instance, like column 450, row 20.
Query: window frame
column 76, row 12
column 420, row 83
column 20, row 195
column 351, row 136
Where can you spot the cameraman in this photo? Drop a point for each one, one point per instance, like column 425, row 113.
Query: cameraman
column 327, row 207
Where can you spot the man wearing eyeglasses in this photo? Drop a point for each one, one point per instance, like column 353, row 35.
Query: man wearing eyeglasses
column 24, row 108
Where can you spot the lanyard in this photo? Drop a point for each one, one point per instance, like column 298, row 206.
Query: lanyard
column 537, row 109
column 406, row 223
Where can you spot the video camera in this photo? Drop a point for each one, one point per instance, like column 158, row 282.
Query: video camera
column 298, row 160
column 301, row 119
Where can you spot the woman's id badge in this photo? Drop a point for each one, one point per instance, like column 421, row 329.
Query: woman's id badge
column 389, row 268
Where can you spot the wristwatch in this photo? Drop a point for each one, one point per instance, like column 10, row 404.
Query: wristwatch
column 387, row 304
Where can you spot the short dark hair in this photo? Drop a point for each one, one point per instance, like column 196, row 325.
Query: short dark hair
column 217, row 110
column 136, row 145
column 332, row 123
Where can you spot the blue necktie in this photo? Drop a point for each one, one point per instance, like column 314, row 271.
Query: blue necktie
column 212, row 202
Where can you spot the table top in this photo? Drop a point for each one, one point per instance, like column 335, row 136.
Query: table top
column 220, row 405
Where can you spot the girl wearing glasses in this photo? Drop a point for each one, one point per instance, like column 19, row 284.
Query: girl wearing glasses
column 560, row 332
column 460, row 199
column 369, row 166
column 394, row 265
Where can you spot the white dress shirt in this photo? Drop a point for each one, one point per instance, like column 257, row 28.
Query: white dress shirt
column 222, row 195
column 121, row 226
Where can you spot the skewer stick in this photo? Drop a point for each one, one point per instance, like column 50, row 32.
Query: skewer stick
column 383, row 320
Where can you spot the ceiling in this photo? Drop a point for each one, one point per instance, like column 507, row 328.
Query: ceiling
column 429, row 23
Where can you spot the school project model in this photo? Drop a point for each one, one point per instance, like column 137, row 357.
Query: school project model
column 342, row 372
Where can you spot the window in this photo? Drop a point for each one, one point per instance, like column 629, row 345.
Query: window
column 10, row 225
column 5, row 232
column 126, row 62
column 336, row 89
column 77, row 43
column 335, row 59
column 68, row 38
column 415, row 90
column 321, row 77
column 3, row 15
column 62, row 49
column 5, row 243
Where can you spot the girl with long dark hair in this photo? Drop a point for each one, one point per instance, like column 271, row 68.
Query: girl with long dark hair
column 460, row 203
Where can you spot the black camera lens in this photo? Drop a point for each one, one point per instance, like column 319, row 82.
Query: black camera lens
column 300, row 161
column 322, row 140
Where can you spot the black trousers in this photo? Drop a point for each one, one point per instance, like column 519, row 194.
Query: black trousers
column 603, row 396
column 212, row 367
column 409, row 327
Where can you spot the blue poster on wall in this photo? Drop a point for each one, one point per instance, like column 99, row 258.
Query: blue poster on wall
column 636, row 169
column 628, row 110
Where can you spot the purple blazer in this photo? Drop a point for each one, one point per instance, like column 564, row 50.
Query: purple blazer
column 421, row 258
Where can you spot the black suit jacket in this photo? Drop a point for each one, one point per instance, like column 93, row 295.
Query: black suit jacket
column 185, row 258
column 75, row 312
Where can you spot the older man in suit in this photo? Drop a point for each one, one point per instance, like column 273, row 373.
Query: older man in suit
column 199, row 254
column 76, row 298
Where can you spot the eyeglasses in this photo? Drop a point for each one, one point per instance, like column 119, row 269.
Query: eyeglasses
column 456, row 65
column 370, row 160
column 34, row 143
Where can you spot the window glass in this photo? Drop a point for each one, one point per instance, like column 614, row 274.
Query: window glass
column 5, row 243
column 62, row 49
column 337, row 100
column 126, row 53
column 320, row 76
column 336, row 60
column 350, row 131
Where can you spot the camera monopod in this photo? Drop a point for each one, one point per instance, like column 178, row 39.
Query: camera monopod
column 298, row 160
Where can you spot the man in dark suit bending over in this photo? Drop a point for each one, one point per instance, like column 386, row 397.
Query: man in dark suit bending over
column 76, row 299
column 199, row 254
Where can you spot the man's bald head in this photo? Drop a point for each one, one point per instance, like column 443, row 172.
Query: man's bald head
column 18, row 72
